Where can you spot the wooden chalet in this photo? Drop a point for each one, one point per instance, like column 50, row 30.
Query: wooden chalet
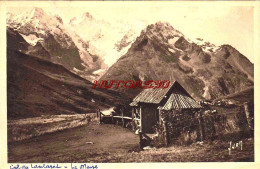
column 149, row 104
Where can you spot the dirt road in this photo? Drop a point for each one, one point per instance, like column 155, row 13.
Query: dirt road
column 113, row 143
column 75, row 145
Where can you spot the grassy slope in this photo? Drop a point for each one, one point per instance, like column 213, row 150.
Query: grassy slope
column 37, row 87
column 22, row 129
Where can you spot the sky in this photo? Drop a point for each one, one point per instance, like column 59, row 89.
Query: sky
column 218, row 24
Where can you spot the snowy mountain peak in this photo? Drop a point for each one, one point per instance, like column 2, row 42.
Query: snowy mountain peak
column 9, row 17
column 9, row 14
column 63, row 44
column 34, row 16
column 87, row 15
column 59, row 19
column 36, row 20
column 164, row 32
column 31, row 14
column 37, row 12
column 72, row 20
column 205, row 45
column 163, row 29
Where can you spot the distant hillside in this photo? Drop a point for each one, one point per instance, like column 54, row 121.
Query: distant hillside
column 205, row 70
column 241, row 97
column 38, row 87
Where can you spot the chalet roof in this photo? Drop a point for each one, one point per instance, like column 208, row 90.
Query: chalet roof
column 178, row 100
column 152, row 95
column 178, row 97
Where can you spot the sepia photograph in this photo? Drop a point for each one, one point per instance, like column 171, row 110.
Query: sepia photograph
column 115, row 82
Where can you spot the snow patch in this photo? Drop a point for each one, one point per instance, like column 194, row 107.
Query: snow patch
column 102, row 36
column 206, row 46
column 171, row 50
column 83, row 64
column 173, row 40
column 209, row 49
column 206, row 93
column 77, row 70
column 31, row 39
column 198, row 41
column 97, row 72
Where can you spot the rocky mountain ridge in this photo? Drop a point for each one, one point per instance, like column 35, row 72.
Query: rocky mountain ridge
column 87, row 46
column 63, row 45
column 164, row 53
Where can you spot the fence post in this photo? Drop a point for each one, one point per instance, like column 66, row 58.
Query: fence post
column 213, row 132
column 141, row 140
column 112, row 117
column 246, row 107
column 123, row 121
column 141, row 119
column 165, row 131
column 201, row 126
column 97, row 113
column 99, row 116
column 133, row 122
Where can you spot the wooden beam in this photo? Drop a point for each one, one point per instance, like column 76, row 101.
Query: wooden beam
column 141, row 119
column 160, row 116
column 123, row 117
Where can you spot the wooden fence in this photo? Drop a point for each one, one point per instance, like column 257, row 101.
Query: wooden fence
column 115, row 119
column 205, row 126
